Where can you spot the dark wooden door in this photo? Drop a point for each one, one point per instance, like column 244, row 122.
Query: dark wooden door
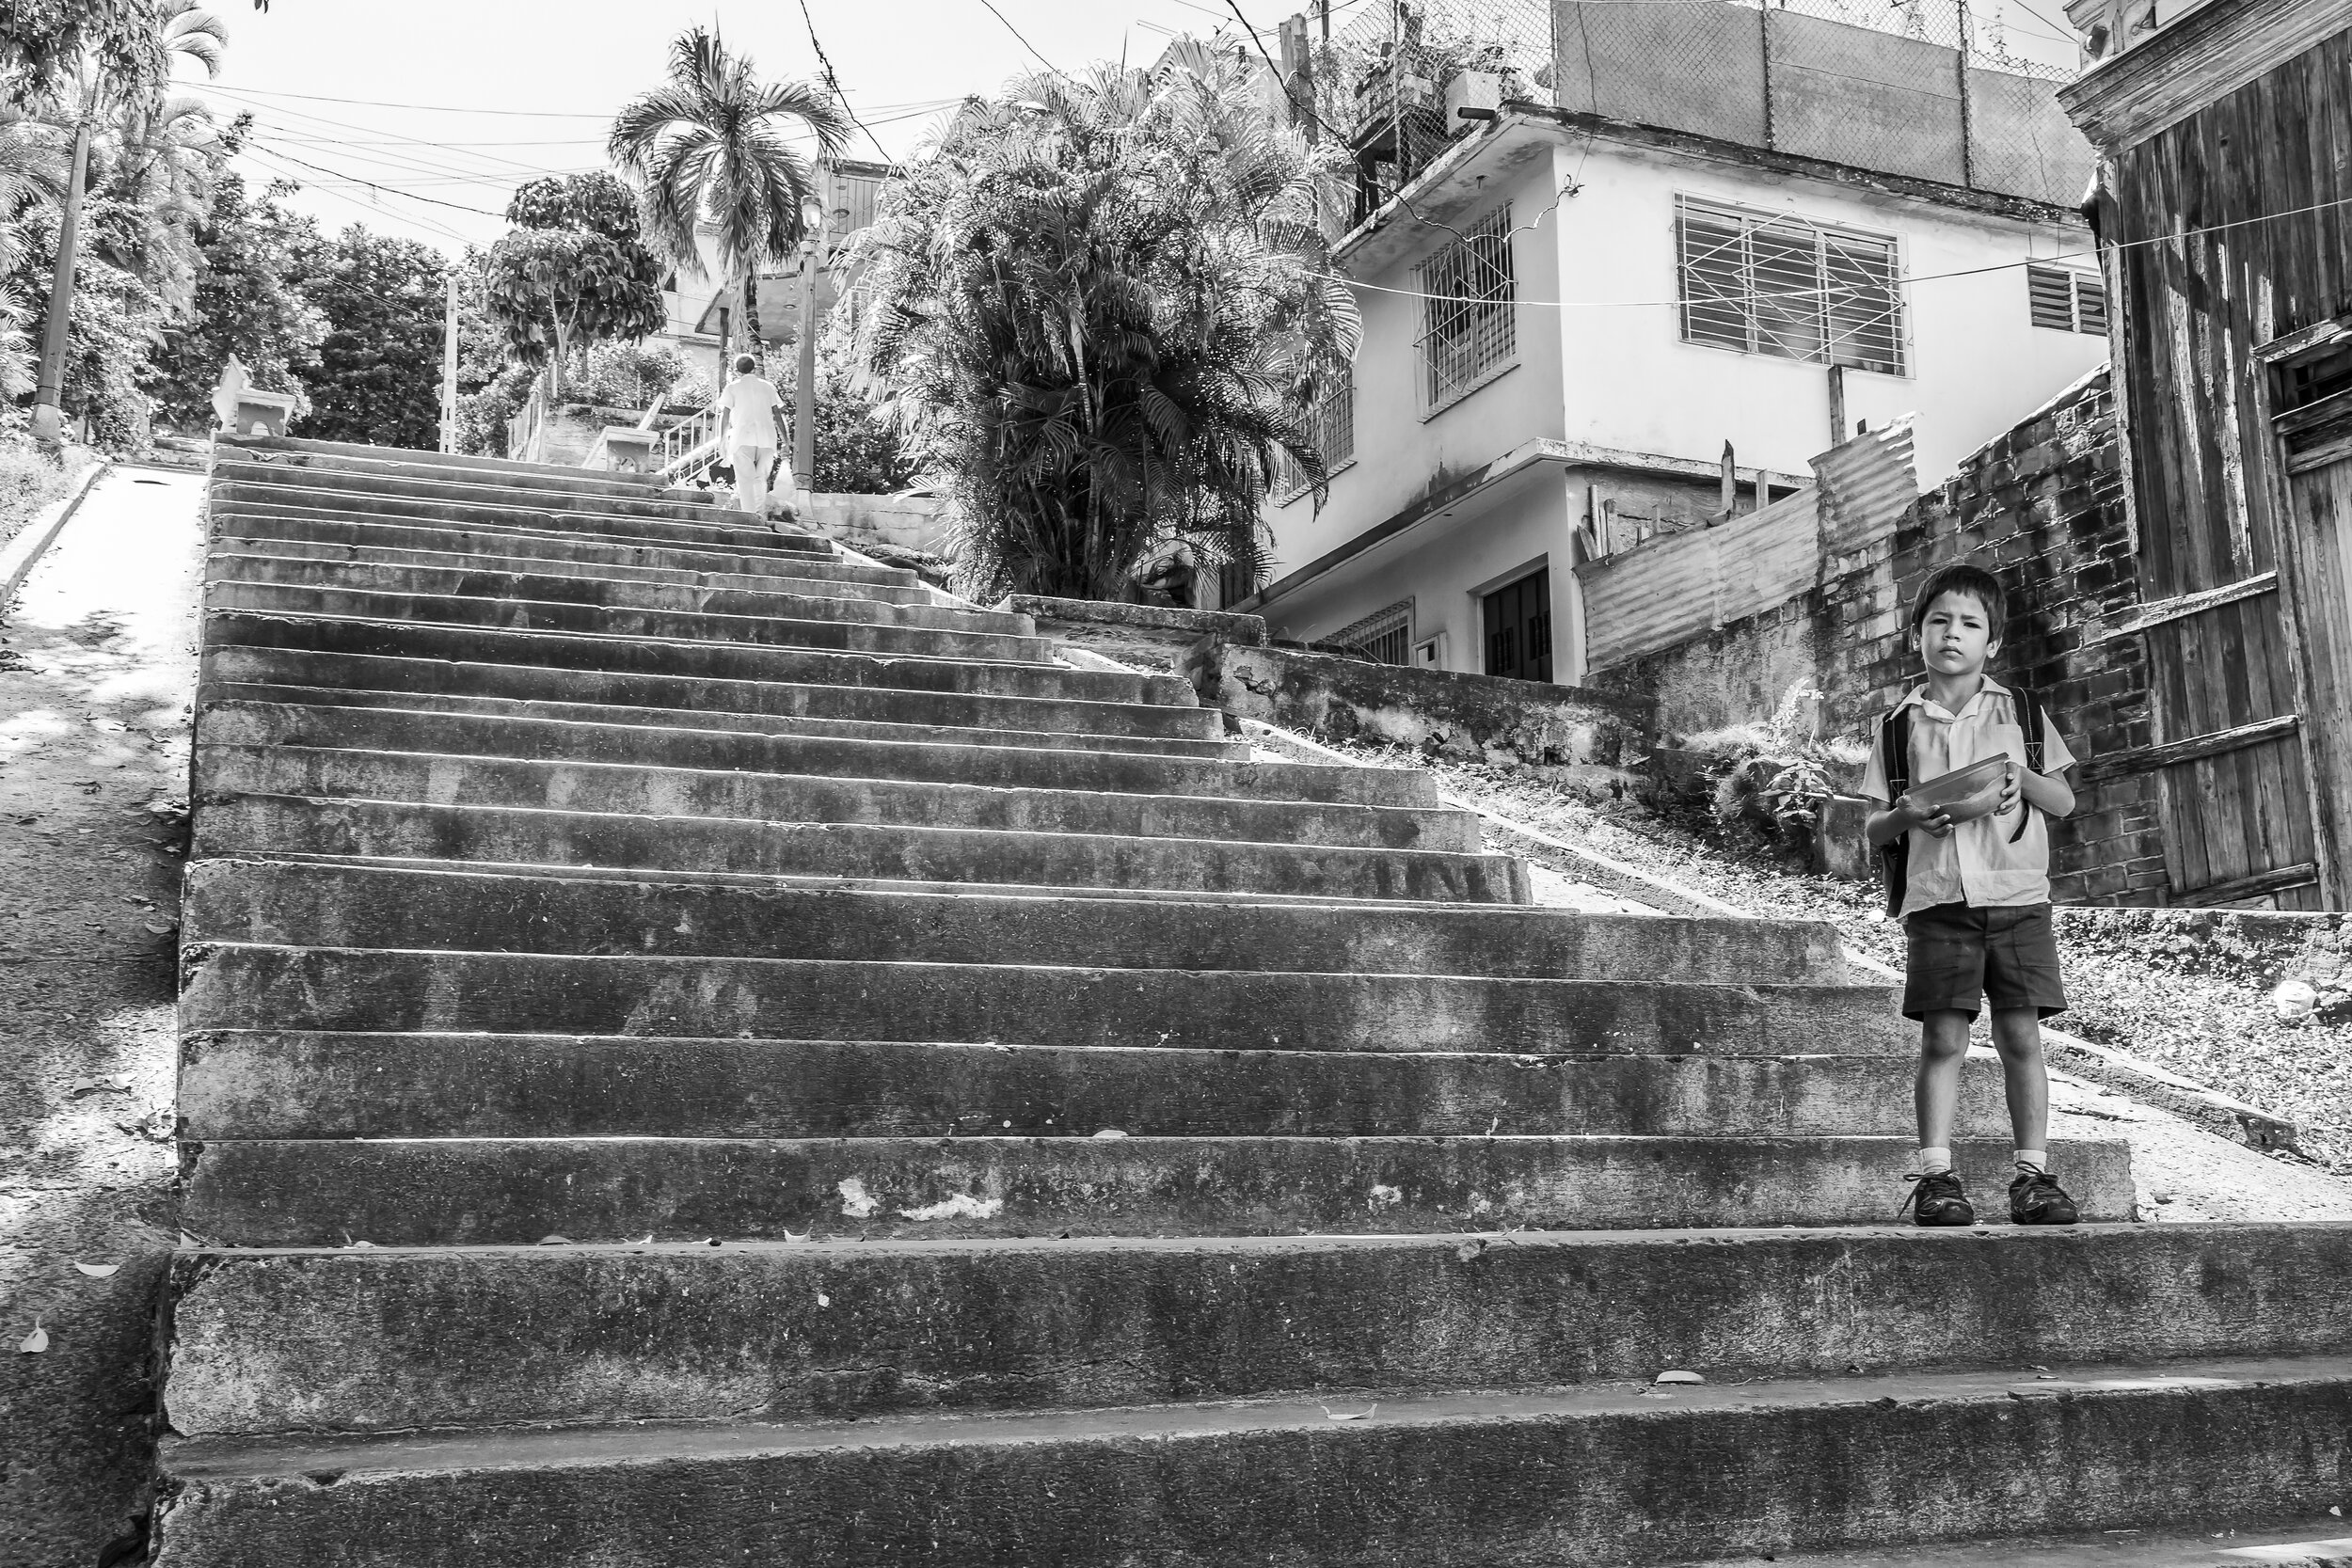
column 2315, row 442
column 1519, row 629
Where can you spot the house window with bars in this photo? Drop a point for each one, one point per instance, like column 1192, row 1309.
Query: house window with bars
column 1332, row 426
column 1384, row 637
column 2065, row 300
column 1469, row 333
column 1770, row 283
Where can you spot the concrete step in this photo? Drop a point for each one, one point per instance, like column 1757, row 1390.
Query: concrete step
column 232, row 505
column 816, row 577
column 442, row 1191
column 1128, row 714
column 683, row 659
column 824, row 630
column 287, row 528
column 290, row 1084
column 292, row 826
column 588, row 510
column 303, row 453
column 601, row 717
column 379, row 1339
column 1010, row 1001
column 1587, row 1478
column 815, row 601
column 616, row 788
column 2242, row 1544
column 456, row 908
column 911, row 756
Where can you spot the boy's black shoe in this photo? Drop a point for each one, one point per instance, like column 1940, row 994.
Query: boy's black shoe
column 2034, row 1198
column 1939, row 1200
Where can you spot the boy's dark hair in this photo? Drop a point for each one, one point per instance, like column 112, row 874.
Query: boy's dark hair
column 1962, row 576
column 745, row 364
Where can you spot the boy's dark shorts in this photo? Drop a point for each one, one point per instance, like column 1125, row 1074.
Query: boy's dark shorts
column 1961, row 957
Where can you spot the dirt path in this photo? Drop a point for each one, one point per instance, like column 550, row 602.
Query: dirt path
column 96, row 669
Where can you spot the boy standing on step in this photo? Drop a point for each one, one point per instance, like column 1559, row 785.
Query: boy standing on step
column 1974, row 897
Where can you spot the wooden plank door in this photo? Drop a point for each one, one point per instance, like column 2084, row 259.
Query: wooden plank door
column 2315, row 444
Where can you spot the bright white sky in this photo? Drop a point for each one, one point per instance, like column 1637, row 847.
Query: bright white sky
column 558, row 70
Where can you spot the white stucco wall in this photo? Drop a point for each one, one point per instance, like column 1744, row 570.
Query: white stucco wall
column 1975, row 362
column 1609, row 368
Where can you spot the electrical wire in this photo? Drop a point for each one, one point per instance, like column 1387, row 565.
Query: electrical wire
column 1847, row 289
column 825, row 63
column 388, row 190
column 418, row 218
column 1024, row 42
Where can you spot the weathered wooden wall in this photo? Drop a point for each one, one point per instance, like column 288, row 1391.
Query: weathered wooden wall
column 2231, row 232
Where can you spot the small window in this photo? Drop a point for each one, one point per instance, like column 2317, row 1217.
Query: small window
column 1469, row 330
column 1789, row 287
column 1384, row 637
column 1332, row 426
column 2065, row 300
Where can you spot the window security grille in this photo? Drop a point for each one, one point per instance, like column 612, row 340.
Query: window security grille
column 1384, row 637
column 1469, row 332
column 1233, row 584
column 1332, row 426
column 1766, row 283
column 2065, row 300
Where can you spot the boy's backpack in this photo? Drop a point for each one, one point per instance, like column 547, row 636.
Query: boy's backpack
column 1895, row 761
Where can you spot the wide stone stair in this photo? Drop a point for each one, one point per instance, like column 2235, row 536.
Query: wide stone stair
column 700, row 1049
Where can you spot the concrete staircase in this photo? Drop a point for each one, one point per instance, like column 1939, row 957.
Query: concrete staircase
column 701, row 1050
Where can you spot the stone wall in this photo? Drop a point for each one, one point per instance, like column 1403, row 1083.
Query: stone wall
column 1476, row 718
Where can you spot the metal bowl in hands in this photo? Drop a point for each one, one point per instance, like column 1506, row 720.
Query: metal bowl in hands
column 1964, row 794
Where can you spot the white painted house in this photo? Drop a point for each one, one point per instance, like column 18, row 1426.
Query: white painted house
column 1570, row 311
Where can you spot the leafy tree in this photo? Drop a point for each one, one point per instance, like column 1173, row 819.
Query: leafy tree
column 709, row 148
column 379, row 378
column 572, row 272
column 1099, row 308
column 116, row 321
column 857, row 451
column 255, row 261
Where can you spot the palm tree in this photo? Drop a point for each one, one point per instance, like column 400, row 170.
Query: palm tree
column 708, row 149
column 1102, row 309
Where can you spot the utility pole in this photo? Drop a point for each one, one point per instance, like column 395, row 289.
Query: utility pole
column 48, row 410
column 804, row 395
column 448, row 369
column 1298, row 76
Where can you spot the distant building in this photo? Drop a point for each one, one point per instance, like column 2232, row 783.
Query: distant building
column 2224, row 206
column 705, row 309
column 1660, row 228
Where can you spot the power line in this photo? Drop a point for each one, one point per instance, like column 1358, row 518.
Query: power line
column 1845, row 289
column 1016, row 33
column 388, row 190
column 825, row 64
column 434, row 224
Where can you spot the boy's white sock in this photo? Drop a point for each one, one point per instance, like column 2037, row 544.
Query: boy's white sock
column 2038, row 1158
column 1935, row 1160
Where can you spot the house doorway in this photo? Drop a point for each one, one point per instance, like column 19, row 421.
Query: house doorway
column 1518, row 628
column 2314, row 430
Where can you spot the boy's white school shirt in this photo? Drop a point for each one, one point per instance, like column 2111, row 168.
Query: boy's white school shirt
column 1977, row 864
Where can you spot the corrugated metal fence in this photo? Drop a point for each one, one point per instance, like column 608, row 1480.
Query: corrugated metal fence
column 1684, row 585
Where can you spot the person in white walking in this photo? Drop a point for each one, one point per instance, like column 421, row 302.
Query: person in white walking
column 747, row 432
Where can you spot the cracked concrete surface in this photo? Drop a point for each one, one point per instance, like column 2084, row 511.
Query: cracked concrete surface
column 97, row 671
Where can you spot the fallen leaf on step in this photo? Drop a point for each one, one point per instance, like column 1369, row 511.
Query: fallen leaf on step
column 98, row 1271
column 1347, row 1415
column 1110, row 1133
column 160, row 927
column 1679, row 1377
column 36, row 1342
column 555, row 1241
column 647, row 1239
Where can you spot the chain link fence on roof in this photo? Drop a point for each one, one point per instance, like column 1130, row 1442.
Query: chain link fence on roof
column 1962, row 92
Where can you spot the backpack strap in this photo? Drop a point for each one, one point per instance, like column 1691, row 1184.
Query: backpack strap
column 1894, row 762
column 2028, row 710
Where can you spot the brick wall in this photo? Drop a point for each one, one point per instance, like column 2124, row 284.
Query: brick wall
column 2043, row 507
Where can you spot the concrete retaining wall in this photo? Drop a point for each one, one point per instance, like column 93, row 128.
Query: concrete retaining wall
column 1481, row 717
